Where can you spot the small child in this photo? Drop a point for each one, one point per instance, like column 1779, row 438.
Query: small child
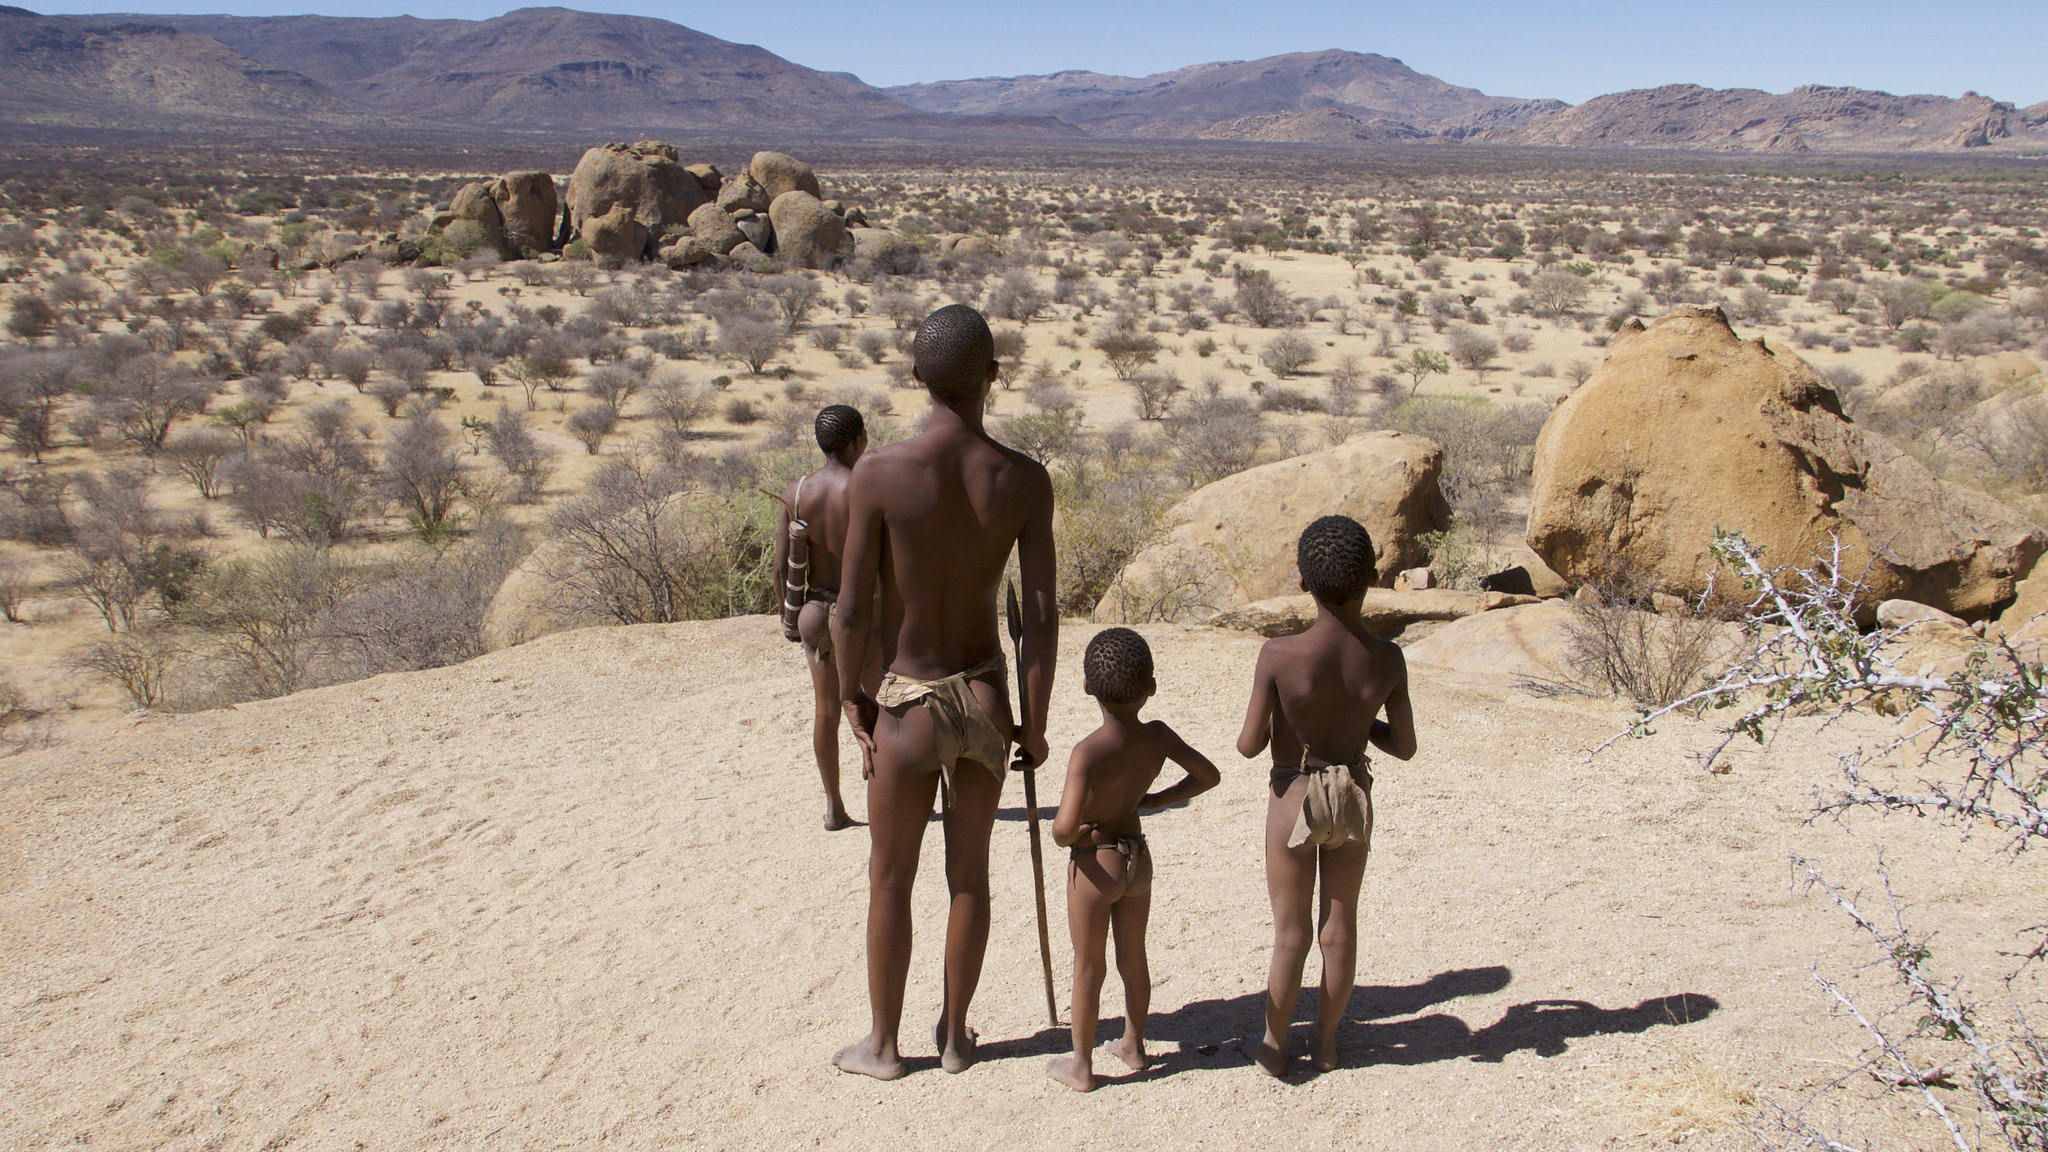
column 1109, row 876
column 1317, row 698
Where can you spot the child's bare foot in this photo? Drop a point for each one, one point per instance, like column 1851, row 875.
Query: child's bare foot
column 955, row 1059
column 1073, row 1071
column 869, row 1057
column 1270, row 1060
column 1131, row 1051
column 836, row 818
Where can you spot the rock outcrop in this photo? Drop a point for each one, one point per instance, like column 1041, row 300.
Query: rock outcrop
column 1527, row 642
column 1386, row 611
column 638, row 201
column 516, row 211
column 645, row 180
column 1687, row 428
column 1234, row 539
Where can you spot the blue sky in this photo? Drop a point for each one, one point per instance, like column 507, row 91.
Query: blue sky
column 1570, row 51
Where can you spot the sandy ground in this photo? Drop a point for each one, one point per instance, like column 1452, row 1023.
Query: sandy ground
column 575, row 894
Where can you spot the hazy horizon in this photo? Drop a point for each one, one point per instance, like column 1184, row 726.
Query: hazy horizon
column 1565, row 51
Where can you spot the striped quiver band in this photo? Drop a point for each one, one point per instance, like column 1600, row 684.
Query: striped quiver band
column 797, row 586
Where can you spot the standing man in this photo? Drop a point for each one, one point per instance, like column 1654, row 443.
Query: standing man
column 934, row 519
column 819, row 500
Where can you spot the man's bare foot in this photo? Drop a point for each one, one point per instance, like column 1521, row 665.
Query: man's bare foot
column 1132, row 1052
column 1323, row 1052
column 953, row 1059
column 836, row 818
column 1073, row 1071
column 1270, row 1060
column 869, row 1057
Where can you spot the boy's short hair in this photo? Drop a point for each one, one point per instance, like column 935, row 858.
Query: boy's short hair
column 1118, row 665
column 952, row 352
column 838, row 426
column 1336, row 559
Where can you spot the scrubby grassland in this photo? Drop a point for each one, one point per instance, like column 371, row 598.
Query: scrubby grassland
column 249, row 459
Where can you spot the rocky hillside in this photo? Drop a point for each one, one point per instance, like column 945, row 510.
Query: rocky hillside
column 1197, row 100
column 535, row 68
column 106, row 73
column 1810, row 118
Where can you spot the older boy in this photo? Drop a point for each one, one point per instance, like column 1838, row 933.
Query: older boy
column 1109, row 874
column 819, row 500
column 1316, row 698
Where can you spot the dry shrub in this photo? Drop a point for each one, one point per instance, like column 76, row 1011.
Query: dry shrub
column 139, row 662
column 1628, row 640
column 651, row 544
column 1112, row 501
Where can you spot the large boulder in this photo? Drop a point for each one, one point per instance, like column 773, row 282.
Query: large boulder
column 1528, row 642
column 714, row 229
column 777, row 173
column 618, row 234
column 476, row 204
column 742, row 191
column 806, row 232
column 879, row 243
column 527, row 203
column 1233, row 541
column 644, row 179
column 1687, row 427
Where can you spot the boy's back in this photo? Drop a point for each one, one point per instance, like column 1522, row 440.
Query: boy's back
column 1329, row 685
column 1115, row 768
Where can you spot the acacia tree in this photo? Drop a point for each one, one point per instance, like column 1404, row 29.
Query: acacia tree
column 1979, row 737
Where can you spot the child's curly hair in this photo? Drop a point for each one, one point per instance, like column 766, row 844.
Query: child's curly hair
column 1118, row 665
column 1336, row 559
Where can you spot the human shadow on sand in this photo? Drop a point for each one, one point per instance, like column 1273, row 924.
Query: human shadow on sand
column 1211, row 1033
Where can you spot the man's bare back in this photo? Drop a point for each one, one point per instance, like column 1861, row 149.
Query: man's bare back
column 933, row 520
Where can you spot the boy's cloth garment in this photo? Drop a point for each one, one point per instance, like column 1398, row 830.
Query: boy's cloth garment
column 1337, row 808
column 961, row 730
column 816, row 628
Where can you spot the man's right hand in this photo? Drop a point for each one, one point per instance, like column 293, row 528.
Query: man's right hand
column 861, row 713
column 1031, row 750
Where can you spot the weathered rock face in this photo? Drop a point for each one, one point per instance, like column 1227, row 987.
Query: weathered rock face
column 807, row 232
column 1687, row 427
column 757, row 229
column 528, row 204
column 777, row 173
column 1525, row 642
column 516, row 211
column 642, row 178
column 617, row 234
column 1234, row 543
column 742, row 191
column 878, row 243
column 714, row 228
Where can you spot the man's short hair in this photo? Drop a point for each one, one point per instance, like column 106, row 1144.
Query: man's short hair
column 1117, row 665
column 1336, row 559
column 839, row 425
column 952, row 352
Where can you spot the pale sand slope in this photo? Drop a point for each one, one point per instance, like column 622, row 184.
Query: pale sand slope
column 574, row 894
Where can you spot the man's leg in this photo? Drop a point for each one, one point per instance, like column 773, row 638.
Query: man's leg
column 969, row 824
column 1343, row 872
column 899, row 802
column 825, row 736
column 1290, row 885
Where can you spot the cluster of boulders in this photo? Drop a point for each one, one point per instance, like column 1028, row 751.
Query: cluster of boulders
column 629, row 202
column 640, row 202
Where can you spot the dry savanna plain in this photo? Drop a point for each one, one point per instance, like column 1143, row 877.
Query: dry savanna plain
column 297, row 848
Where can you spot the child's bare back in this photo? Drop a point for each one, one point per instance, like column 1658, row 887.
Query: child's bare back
column 1109, row 870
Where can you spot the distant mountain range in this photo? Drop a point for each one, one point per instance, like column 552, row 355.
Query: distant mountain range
column 557, row 70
